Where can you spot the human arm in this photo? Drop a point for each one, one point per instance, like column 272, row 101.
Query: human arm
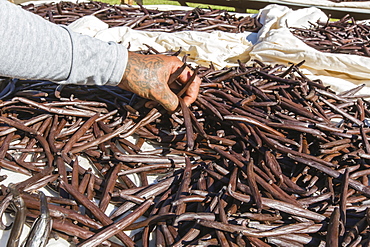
column 33, row 48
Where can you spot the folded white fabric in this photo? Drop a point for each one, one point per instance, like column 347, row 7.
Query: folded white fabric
column 223, row 49
column 276, row 44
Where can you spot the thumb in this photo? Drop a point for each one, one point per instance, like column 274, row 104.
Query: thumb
column 167, row 99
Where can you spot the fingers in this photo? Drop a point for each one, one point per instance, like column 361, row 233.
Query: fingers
column 166, row 98
column 193, row 90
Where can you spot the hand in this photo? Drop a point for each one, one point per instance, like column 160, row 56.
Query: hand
column 147, row 76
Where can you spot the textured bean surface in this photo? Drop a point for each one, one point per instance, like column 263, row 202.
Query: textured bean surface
column 344, row 36
column 266, row 158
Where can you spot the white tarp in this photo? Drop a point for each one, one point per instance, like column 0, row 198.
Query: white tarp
column 223, row 49
column 276, row 44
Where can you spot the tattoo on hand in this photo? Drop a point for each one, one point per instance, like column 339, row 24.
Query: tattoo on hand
column 146, row 76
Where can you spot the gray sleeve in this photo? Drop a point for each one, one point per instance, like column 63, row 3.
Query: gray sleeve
column 33, row 48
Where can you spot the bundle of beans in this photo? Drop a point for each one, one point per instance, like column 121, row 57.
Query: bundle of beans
column 343, row 36
column 140, row 18
column 264, row 157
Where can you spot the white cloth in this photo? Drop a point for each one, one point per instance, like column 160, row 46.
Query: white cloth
column 223, row 49
column 276, row 44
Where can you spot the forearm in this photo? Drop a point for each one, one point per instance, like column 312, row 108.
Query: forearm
column 33, row 48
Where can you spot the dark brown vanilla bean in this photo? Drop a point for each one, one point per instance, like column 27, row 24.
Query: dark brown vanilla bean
column 115, row 228
column 188, row 125
column 184, row 186
column 253, row 185
column 95, row 211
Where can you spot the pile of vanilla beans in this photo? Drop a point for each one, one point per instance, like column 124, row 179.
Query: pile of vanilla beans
column 141, row 18
column 264, row 157
column 343, row 36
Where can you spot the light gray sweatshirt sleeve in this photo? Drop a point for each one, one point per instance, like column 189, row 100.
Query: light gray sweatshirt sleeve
column 33, row 48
